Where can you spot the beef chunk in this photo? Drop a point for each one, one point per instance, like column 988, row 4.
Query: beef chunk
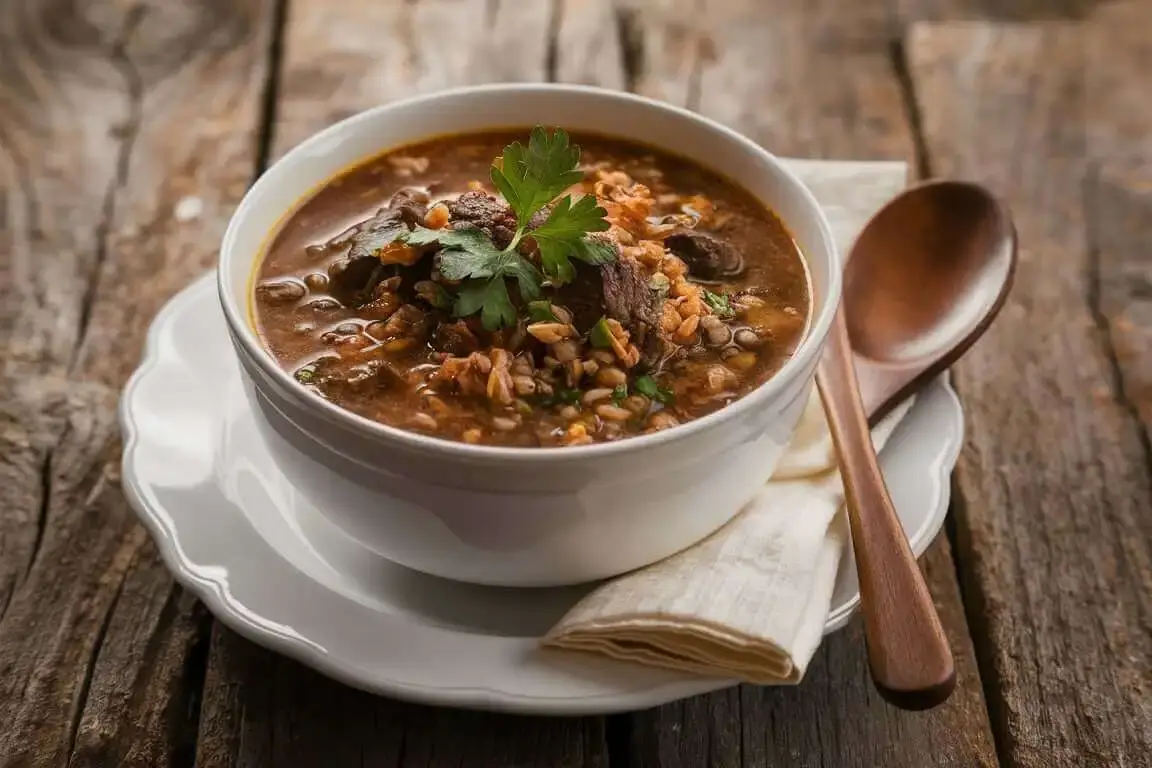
column 455, row 339
column 351, row 277
column 583, row 296
column 618, row 290
column 376, row 233
column 708, row 257
column 627, row 297
column 411, row 204
column 409, row 321
column 338, row 379
column 480, row 210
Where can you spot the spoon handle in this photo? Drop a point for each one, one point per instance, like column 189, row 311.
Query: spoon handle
column 908, row 652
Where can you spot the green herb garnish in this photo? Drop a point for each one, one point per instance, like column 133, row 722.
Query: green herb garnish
column 619, row 392
column 541, row 312
column 601, row 334
column 305, row 375
column 719, row 304
column 488, row 297
column 529, row 178
column 562, row 238
column 647, row 386
column 469, row 255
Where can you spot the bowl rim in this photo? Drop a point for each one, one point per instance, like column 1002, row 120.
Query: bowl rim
column 248, row 339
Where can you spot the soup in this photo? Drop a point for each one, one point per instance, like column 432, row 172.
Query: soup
column 518, row 289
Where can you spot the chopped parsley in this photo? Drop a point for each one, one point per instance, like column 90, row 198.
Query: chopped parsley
column 541, row 312
column 529, row 178
column 719, row 302
column 601, row 334
column 647, row 386
column 619, row 392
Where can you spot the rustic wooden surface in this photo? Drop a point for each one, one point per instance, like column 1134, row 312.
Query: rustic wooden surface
column 128, row 132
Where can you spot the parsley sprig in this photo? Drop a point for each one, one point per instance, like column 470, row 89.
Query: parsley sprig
column 530, row 178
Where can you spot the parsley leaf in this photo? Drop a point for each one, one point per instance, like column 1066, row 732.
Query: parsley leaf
column 378, row 233
column 490, row 298
column 541, row 312
column 473, row 255
column 458, row 237
column 468, row 253
column 594, row 251
column 601, row 334
column 719, row 303
column 619, row 392
column 531, row 177
column 569, row 221
column 563, row 237
column 647, row 386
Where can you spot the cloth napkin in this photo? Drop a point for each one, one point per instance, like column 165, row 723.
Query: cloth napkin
column 750, row 601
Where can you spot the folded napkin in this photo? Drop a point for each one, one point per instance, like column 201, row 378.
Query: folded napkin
column 750, row 601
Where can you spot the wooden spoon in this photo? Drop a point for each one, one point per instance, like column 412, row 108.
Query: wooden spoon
column 924, row 280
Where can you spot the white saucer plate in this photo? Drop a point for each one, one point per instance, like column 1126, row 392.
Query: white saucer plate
column 235, row 531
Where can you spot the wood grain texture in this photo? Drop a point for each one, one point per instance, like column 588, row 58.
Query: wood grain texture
column 263, row 709
column 1054, row 536
column 374, row 52
column 1119, row 192
column 126, row 134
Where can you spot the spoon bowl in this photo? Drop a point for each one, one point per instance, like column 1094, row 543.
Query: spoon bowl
column 926, row 277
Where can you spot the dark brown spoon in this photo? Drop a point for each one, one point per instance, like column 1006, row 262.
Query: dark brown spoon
column 923, row 282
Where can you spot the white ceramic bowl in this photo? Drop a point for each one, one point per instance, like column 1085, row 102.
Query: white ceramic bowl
column 522, row 516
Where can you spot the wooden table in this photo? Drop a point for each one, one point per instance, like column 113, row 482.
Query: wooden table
column 128, row 132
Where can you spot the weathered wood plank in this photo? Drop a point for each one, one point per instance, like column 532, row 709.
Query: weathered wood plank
column 1054, row 536
column 372, row 53
column 996, row 10
column 593, row 44
column 263, row 709
column 1119, row 215
column 1120, row 237
column 55, row 622
column 126, row 133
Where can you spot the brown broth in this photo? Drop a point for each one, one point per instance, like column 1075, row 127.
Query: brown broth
column 299, row 330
